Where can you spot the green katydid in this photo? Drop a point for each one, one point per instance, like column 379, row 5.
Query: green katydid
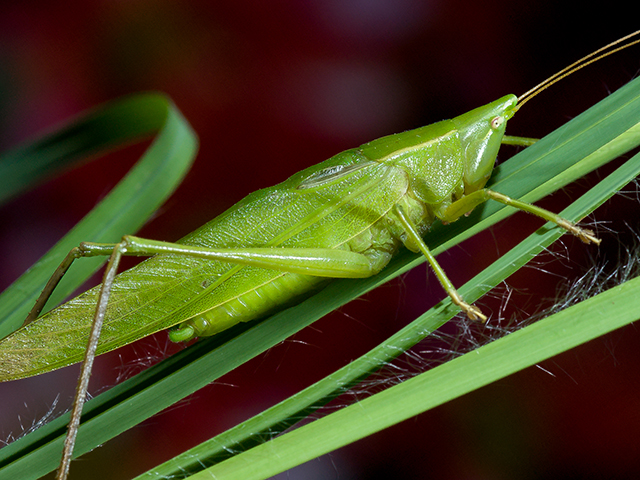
column 351, row 213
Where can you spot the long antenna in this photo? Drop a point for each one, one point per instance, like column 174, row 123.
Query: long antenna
column 575, row 66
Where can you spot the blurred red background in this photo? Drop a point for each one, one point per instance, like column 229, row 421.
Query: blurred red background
column 271, row 88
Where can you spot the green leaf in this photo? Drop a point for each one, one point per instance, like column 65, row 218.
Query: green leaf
column 589, row 319
column 154, row 177
column 543, row 342
column 149, row 183
column 512, row 178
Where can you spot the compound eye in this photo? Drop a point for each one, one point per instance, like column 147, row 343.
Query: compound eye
column 497, row 122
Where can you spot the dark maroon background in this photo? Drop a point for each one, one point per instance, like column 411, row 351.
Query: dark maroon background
column 273, row 87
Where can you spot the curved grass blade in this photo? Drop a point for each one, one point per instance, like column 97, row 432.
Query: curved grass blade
column 124, row 210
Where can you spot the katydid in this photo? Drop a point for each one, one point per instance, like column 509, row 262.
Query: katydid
column 342, row 218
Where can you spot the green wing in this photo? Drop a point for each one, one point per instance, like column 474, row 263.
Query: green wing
column 346, row 195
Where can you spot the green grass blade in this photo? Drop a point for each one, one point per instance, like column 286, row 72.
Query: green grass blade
column 564, row 330
column 155, row 389
column 127, row 206
column 288, row 412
